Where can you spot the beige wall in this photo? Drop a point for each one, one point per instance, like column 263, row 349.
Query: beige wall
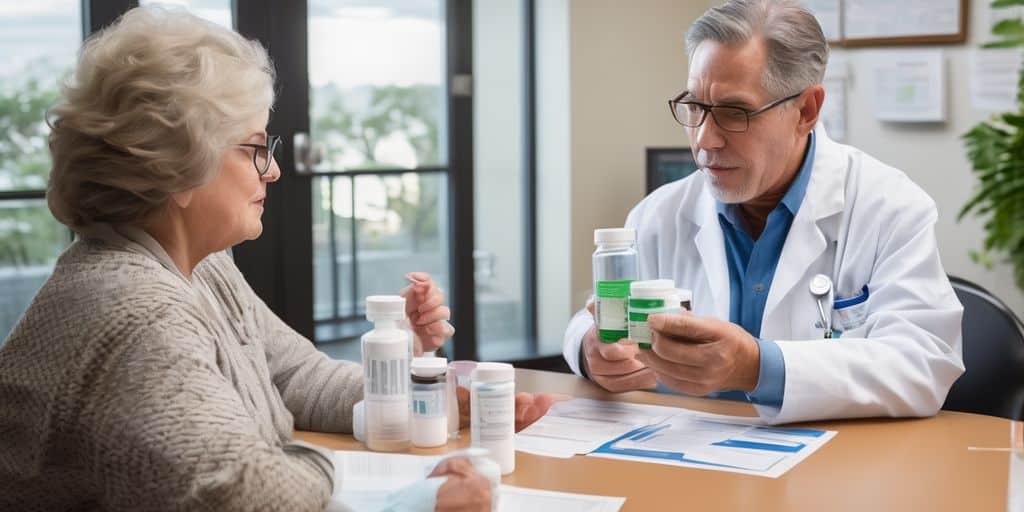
column 626, row 63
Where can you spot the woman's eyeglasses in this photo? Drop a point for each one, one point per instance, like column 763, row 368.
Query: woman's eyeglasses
column 262, row 154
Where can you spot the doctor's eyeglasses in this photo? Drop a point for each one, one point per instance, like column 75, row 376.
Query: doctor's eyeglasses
column 262, row 154
column 692, row 114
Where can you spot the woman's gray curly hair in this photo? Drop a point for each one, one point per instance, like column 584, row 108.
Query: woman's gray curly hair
column 154, row 102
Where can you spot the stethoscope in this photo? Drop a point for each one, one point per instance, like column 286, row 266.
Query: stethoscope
column 821, row 286
column 821, row 289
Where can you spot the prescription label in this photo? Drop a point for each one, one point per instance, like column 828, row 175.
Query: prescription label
column 610, row 308
column 639, row 310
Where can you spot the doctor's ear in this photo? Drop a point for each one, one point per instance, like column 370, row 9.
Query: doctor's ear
column 810, row 103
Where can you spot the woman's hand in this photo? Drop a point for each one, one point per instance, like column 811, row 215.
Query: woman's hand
column 530, row 407
column 465, row 490
column 428, row 316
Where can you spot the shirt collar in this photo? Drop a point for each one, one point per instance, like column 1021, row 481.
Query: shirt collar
column 794, row 196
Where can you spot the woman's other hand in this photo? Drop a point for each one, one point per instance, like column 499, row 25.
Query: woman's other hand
column 465, row 490
column 428, row 316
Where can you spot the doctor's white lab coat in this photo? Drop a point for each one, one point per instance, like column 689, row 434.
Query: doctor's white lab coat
column 862, row 223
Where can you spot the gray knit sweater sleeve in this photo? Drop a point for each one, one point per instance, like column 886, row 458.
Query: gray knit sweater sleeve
column 319, row 391
column 170, row 432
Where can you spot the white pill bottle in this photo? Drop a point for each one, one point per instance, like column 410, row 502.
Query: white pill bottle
column 492, row 401
column 429, row 402
column 650, row 298
column 386, row 354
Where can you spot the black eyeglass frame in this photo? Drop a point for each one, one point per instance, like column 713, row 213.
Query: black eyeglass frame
column 705, row 108
column 273, row 141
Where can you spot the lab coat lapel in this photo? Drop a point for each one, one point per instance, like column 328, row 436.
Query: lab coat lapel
column 807, row 239
column 711, row 247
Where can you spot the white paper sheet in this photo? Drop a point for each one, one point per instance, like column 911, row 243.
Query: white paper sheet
column 669, row 435
column 367, row 478
column 993, row 78
column 909, row 86
column 580, row 425
column 1015, row 487
column 693, row 440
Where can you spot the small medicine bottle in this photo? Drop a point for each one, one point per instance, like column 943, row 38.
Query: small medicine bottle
column 492, row 406
column 650, row 298
column 429, row 402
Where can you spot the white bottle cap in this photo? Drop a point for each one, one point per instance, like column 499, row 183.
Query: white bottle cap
column 385, row 307
column 429, row 366
column 493, row 372
column 684, row 294
column 614, row 236
column 655, row 288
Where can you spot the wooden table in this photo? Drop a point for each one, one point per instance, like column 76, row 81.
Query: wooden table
column 876, row 464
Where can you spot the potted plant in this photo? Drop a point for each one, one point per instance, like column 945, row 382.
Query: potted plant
column 996, row 151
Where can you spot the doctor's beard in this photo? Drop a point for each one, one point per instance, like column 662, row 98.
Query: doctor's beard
column 738, row 194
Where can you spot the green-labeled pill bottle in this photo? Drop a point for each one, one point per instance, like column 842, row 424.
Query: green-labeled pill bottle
column 616, row 266
column 650, row 298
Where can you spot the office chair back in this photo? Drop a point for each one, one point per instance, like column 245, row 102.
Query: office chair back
column 993, row 344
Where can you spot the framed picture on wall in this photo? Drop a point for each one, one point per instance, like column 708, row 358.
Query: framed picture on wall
column 857, row 23
column 886, row 23
column 665, row 165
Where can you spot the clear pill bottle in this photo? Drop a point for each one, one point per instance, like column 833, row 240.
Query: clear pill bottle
column 649, row 298
column 492, row 399
column 429, row 401
column 460, row 375
column 386, row 375
column 615, row 266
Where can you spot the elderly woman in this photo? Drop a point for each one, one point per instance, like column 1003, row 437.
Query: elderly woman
column 146, row 374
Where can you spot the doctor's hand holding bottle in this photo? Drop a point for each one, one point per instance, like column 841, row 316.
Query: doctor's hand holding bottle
column 614, row 366
column 699, row 355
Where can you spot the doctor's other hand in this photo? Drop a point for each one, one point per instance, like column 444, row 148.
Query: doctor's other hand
column 428, row 316
column 614, row 366
column 465, row 490
column 700, row 355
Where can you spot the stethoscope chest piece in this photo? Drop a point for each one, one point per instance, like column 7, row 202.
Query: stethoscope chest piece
column 821, row 288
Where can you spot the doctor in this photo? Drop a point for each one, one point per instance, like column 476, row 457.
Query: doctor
column 778, row 203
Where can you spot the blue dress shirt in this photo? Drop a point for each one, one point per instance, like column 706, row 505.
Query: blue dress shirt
column 752, row 266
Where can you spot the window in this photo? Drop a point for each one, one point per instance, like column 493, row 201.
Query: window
column 38, row 43
column 503, row 250
column 377, row 111
column 217, row 11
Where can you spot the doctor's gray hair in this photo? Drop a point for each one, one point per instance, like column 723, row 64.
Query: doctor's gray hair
column 796, row 48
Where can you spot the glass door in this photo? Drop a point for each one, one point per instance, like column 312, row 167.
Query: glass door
column 378, row 119
column 382, row 115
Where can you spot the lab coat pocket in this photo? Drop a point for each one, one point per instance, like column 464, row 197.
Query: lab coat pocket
column 850, row 313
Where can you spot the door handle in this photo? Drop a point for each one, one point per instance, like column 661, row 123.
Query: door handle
column 308, row 154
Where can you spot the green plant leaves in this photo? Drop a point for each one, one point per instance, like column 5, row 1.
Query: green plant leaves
column 999, row 4
column 995, row 150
